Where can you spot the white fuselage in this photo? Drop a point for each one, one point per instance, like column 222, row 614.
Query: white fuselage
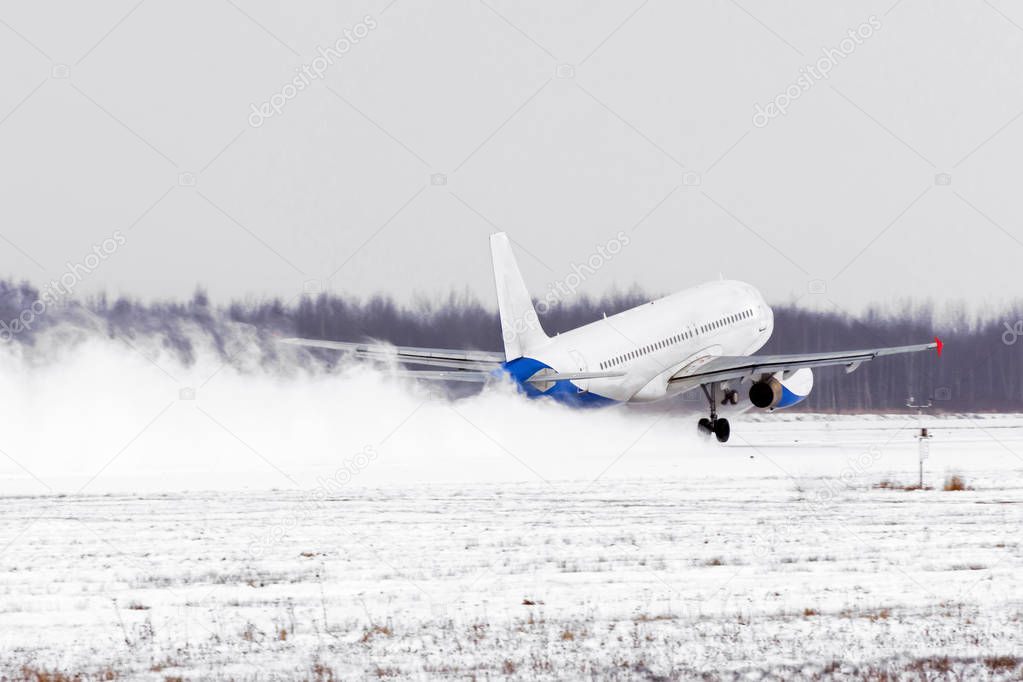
column 652, row 342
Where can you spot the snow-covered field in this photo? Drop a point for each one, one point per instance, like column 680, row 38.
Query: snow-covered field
column 164, row 522
column 775, row 555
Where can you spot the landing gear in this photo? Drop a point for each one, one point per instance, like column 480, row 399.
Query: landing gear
column 719, row 427
column 722, row 429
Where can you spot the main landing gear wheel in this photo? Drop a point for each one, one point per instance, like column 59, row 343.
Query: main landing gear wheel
column 719, row 427
column 722, row 430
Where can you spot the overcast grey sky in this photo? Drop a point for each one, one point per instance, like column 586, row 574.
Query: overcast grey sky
column 896, row 175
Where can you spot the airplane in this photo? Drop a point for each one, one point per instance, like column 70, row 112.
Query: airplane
column 704, row 338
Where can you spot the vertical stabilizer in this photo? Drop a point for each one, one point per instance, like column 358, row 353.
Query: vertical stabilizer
column 520, row 326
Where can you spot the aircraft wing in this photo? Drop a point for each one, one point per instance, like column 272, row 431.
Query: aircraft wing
column 478, row 360
column 473, row 376
column 462, row 365
column 722, row 367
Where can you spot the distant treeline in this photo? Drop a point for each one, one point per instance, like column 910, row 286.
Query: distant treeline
column 981, row 369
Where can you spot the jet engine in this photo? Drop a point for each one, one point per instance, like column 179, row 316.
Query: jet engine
column 775, row 391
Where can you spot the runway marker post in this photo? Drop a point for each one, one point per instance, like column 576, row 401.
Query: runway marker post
column 923, row 437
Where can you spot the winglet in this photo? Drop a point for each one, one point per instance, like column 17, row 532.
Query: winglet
column 939, row 344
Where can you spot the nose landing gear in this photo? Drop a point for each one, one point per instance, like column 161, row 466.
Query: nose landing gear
column 717, row 426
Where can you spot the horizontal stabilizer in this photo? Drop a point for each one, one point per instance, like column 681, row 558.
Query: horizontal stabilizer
column 572, row 376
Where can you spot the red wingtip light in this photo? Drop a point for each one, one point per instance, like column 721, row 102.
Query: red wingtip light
column 940, row 343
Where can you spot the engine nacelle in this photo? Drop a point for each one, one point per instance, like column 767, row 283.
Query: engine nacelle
column 774, row 391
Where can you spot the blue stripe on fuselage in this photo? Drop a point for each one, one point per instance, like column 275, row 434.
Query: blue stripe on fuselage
column 521, row 369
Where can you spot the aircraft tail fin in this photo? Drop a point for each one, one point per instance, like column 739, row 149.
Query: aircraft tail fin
column 520, row 325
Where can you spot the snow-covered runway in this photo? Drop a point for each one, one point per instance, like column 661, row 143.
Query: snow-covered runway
column 793, row 551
